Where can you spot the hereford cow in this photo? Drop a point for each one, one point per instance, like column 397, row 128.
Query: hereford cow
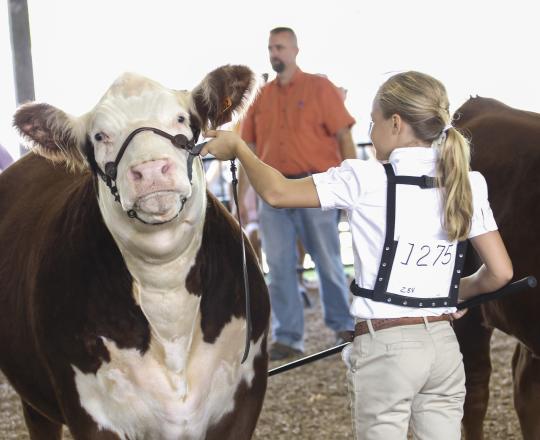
column 122, row 312
column 506, row 150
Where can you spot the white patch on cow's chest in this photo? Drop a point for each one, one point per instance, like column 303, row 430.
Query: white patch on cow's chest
column 172, row 316
column 140, row 397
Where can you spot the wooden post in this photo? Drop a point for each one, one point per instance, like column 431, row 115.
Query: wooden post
column 23, row 72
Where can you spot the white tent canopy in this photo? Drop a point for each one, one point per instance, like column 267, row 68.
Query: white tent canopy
column 79, row 47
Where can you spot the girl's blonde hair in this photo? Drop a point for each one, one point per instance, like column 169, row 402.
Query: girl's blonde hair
column 422, row 102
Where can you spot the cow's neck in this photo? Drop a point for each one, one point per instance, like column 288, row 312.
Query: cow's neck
column 170, row 308
column 159, row 260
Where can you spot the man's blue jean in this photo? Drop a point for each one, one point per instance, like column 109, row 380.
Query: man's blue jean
column 317, row 229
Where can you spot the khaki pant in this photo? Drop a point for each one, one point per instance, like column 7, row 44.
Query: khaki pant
column 405, row 374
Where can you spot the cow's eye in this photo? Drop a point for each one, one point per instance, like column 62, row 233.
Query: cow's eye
column 181, row 119
column 98, row 137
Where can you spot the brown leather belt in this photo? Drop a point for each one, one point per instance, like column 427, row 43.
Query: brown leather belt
column 361, row 327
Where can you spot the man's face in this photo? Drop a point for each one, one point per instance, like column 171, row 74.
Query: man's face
column 282, row 50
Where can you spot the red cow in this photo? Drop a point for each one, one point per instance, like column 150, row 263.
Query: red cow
column 122, row 312
column 506, row 150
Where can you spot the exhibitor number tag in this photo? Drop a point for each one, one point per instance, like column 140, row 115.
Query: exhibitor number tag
column 422, row 269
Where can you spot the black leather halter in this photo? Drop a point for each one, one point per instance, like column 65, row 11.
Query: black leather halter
column 179, row 141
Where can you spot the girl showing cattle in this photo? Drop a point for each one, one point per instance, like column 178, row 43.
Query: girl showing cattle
column 410, row 214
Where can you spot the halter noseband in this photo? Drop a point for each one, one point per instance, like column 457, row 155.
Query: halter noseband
column 179, row 141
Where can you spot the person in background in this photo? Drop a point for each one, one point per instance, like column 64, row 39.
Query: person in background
column 299, row 125
column 5, row 158
column 410, row 212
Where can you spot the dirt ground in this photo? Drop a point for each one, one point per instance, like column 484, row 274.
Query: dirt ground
column 311, row 402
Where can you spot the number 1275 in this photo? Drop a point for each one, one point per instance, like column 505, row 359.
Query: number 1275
column 425, row 253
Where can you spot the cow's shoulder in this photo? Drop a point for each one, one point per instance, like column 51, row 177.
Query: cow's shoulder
column 218, row 275
column 67, row 266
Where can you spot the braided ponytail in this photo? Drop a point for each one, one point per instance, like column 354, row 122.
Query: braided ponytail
column 453, row 172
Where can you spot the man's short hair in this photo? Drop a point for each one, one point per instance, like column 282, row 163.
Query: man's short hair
column 282, row 29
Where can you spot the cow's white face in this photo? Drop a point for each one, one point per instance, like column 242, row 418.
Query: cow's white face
column 152, row 176
column 166, row 210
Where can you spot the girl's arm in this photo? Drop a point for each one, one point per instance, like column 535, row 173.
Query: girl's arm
column 270, row 184
column 496, row 271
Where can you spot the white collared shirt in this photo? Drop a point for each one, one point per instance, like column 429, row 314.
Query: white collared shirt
column 359, row 187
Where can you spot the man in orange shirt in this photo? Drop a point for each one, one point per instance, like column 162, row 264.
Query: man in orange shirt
column 300, row 126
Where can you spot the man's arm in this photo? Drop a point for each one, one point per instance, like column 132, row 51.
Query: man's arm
column 346, row 144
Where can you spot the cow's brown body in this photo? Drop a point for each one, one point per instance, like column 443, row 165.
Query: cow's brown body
column 506, row 150
column 64, row 285
column 76, row 342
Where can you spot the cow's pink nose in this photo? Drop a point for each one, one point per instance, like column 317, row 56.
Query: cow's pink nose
column 150, row 170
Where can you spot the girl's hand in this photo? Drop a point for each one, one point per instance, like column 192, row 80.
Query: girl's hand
column 459, row 313
column 224, row 145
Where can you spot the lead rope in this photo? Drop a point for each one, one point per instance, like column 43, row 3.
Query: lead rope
column 244, row 265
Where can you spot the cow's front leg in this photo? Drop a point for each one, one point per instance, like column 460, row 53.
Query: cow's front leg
column 526, row 372
column 80, row 424
column 474, row 340
column 39, row 426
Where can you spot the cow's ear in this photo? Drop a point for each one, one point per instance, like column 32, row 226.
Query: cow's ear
column 223, row 94
column 51, row 133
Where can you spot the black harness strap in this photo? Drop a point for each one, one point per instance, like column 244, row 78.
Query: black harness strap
column 389, row 250
column 421, row 181
column 379, row 292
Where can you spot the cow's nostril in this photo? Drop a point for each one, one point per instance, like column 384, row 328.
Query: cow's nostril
column 165, row 168
column 136, row 175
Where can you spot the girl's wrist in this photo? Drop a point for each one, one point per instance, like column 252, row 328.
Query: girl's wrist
column 238, row 146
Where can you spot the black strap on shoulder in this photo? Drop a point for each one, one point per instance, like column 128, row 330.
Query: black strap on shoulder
column 423, row 182
column 389, row 249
